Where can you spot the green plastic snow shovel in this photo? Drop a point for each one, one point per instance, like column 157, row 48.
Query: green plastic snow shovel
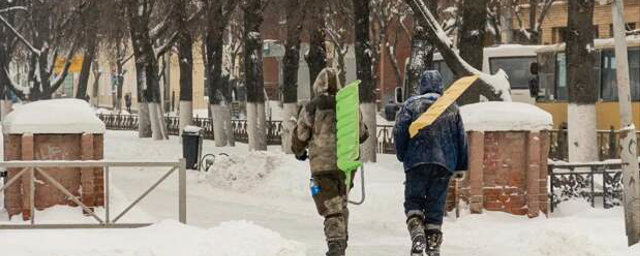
column 348, row 129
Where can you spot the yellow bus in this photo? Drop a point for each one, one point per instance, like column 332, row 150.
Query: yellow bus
column 553, row 84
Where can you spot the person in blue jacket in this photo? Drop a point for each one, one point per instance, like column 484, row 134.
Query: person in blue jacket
column 430, row 159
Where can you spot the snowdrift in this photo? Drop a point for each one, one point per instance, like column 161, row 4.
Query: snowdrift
column 167, row 238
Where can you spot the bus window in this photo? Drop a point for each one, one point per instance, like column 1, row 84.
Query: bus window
column 445, row 72
column 609, row 80
column 517, row 68
column 561, row 92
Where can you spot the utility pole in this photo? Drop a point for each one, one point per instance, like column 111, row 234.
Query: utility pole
column 628, row 139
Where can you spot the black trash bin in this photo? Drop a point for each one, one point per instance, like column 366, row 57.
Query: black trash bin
column 192, row 145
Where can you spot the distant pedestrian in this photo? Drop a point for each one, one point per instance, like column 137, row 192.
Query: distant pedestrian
column 127, row 102
column 430, row 159
column 534, row 85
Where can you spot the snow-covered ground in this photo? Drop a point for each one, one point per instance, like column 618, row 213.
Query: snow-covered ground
column 258, row 204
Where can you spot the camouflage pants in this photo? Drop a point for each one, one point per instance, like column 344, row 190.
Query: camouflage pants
column 331, row 203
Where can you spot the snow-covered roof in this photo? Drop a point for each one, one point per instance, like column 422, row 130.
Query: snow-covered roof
column 608, row 43
column 505, row 116
column 60, row 116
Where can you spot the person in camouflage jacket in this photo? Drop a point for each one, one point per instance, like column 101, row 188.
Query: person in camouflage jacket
column 316, row 130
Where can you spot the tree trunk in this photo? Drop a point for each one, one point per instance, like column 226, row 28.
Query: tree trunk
column 583, row 146
column 147, row 68
column 253, row 73
column 219, row 91
column 90, row 33
column 85, row 71
column 316, row 58
column 364, row 74
column 471, row 41
column 291, row 62
column 421, row 54
column 506, row 21
column 185, row 60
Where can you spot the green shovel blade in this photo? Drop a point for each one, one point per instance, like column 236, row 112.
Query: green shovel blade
column 348, row 129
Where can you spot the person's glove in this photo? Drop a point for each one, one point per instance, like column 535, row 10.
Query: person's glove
column 459, row 175
column 303, row 156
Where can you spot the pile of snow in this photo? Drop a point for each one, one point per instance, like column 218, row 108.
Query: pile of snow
column 167, row 238
column 59, row 116
column 505, row 116
column 259, row 173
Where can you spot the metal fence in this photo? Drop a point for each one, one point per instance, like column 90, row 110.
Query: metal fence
column 587, row 181
column 608, row 143
column 129, row 122
column 608, row 140
column 30, row 168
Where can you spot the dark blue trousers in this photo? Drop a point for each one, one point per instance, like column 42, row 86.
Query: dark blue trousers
column 425, row 192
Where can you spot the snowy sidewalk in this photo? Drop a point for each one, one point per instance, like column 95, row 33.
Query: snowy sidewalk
column 258, row 204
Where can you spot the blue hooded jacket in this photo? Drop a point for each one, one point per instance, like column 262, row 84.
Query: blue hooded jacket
column 442, row 143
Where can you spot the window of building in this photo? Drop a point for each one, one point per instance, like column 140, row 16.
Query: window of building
column 628, row 27
column 517, row 68
column 609, row 87
column 559, row 35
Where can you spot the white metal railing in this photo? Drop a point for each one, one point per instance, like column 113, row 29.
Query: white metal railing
column 32, row 167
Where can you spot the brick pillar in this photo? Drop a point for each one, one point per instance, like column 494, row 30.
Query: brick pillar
column 86, row 173
column 543, row 197
column 476, row 175
column 13, row 194
column 533, row 173
column 98, row 154
column 27, row 154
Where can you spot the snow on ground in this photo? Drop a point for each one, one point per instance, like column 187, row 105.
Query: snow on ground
column 257, row 203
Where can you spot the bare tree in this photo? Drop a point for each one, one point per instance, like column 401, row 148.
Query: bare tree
column 295, row 12
column 388, row 25
column 421, row 51
column 253, row 73
column 338, row 22
column 316, row 57
column 471, row 41
column 116, row 45
column 90, row 41
column 147, row 70
column 581, row 82
column 47, row 30
column 218, row 14
column 531, row 34
column 8, row 45
column 361, row 10
column 185, row 59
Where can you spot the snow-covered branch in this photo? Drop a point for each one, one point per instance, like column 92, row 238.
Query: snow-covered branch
column 18, row 35
column 545, row 9
column 14, row 8
column 498, row 83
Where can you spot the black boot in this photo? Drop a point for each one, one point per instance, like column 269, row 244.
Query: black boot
column 336, row 248
column 418, row 239
column 434, row 240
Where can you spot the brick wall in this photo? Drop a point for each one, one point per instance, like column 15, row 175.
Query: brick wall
column 87, row 185
column 507, row 172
